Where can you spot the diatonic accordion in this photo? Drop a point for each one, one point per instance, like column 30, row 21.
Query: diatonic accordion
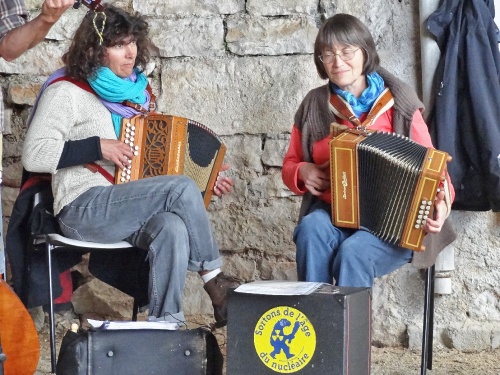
column 171, row 145
column 386, row 184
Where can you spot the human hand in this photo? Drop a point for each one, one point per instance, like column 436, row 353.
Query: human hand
column 53, row 9
column 316, row 178
column 117, row 152
column 434, row 225
column 223, row 184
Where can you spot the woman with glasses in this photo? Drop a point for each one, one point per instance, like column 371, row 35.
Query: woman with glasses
column 345, row 54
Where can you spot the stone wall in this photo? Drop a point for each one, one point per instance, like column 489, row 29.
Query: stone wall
column 242, row 68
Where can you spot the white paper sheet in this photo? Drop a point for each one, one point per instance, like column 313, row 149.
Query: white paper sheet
column 279, row 288
column 99, row 324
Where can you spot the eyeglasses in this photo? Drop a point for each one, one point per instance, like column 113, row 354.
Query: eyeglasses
column 328, row 58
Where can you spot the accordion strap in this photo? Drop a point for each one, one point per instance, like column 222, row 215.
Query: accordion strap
column 343, row 110
column 94, row 167
column 140, row 108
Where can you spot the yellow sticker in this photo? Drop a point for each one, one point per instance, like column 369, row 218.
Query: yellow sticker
column 284, row 339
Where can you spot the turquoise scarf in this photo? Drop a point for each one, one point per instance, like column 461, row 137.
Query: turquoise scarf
column 114, row 90
column 368, row 96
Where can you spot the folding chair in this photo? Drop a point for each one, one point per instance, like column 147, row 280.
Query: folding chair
column 55, row 242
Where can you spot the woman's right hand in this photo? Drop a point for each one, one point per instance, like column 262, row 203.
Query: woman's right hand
column 316, row 178
column 117, row 152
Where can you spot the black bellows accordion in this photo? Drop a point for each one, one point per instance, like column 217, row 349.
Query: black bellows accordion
column 386, row 184
column 171, row 145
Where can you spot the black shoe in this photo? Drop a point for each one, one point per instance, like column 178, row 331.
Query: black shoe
column 217, row 290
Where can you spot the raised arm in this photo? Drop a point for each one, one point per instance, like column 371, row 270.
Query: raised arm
column 19, row 40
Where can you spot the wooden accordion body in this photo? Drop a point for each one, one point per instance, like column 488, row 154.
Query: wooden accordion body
column 170, row 145
column 386, row 184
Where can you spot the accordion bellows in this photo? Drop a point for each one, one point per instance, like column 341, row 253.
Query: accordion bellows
column 171, row 145
column 386, row 184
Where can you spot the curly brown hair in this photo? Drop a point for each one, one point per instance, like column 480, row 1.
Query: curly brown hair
column 87, row 53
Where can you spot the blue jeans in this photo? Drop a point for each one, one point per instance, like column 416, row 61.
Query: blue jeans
column 163, row 215
column 350, row 257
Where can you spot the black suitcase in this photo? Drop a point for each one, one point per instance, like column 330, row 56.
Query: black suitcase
column 140, row 351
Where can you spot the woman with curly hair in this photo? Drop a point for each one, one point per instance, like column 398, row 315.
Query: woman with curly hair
column 77, row 121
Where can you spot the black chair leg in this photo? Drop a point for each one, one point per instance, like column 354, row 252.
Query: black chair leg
column 51, row 310
column 25, row 291
column 135, row 310
column 428, row 327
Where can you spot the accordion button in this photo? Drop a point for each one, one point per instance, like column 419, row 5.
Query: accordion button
column 422, row 207
column 136, row 152
column 417, row 226
column 123, row 173
column 131, row 139
column 128, row 177
column 132, row 133
column 419, row 216
column 425, row 217
column 127, row 130
column 429, row 203
column 133, row 127
column 136, row 147
column 426, row 212
column 122, row 179
column 126, row 141
column 421, row 212
column 128, row 124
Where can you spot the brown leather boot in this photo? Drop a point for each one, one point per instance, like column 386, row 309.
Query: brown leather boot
column 217, row 290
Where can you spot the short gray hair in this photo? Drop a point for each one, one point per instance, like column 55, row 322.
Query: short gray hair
column 346, row 29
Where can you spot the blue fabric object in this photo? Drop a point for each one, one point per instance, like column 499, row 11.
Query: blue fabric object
column 114, row 89
column 367, row 98
column 464, row 121
column 349, row 257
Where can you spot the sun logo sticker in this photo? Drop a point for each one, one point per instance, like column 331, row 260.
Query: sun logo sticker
column 284, row 339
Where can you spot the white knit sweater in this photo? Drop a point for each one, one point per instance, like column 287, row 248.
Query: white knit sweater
column 66, row 112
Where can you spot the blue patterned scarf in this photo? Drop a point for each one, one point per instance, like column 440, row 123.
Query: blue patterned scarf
column 368, row 96
column 114, row 90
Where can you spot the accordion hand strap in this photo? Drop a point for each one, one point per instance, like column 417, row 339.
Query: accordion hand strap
column 343, row 110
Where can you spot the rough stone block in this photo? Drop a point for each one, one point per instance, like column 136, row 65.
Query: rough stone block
column 188, row 7
column 270, row 36
column 188, row 36
column 251, row 95
column 280, row 7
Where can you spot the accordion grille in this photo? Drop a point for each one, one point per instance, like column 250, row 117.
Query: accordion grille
column 155, row 153
column 199, row 161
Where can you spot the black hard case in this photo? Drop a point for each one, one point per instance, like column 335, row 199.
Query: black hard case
column 341, row 318
column 140, row 351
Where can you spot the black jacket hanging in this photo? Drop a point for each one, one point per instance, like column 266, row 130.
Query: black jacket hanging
column 465, row 118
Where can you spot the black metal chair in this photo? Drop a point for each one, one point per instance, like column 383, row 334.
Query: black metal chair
column 54, row 242
column 428, row 326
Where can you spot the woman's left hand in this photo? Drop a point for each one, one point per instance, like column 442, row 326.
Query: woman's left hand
column 224, row 184
column 440, row 210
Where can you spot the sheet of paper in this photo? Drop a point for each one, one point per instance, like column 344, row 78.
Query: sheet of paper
column 99, row 324
column 279, row 288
